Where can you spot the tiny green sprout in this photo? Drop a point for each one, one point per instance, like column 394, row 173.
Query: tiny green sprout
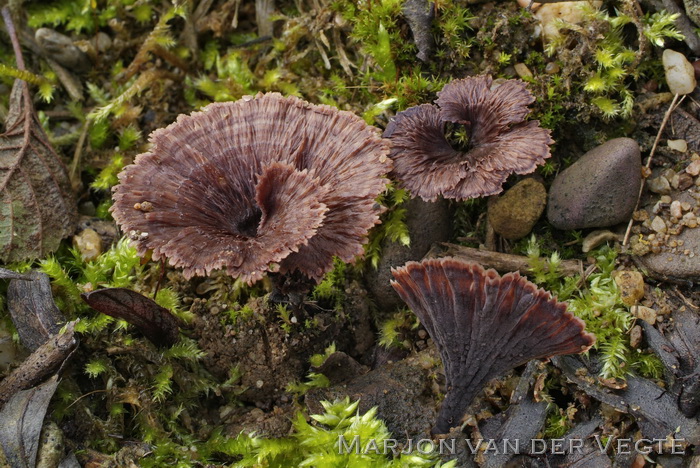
column 557, row 423
column 107, row 177
column 96, row 367
column 317, row 360
column 185, row 349
column 128, row 136
column 661, row 25
column 393, row 226
column 504, row 58
column 142, row 12
column 371, row 114
column 314, row 380
column 163, row 383
column 607, row 106
column 596, row 84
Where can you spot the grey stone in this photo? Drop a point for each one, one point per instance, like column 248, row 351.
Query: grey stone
column 60, row 48
column 680, row 263
column 598, row 190
column 428, row 223
column 692, row 9
column 514, row 214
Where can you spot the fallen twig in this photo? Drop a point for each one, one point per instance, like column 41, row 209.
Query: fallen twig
column 507, row 262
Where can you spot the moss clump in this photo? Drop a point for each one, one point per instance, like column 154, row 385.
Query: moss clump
column 597, row 301
column 318, row 443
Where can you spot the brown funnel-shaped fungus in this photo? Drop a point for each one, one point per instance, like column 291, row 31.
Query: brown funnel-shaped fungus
column 484, row 325
column 253, row 186
column 468, row 144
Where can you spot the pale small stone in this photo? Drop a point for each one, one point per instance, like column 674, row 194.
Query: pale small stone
column 658, row 225
column 665, row 199
column 675, row 181
column 89, row 244
column 551, row 15
column 102, row 42
column 522, row 71
column 631, row 286
column 678, row 145
column 636, row 336
column 552, row 68
column 644, row 313
column 596, row 238
column 693, row 168
column 659, row 185
column 680, row 75
column 676, row 210
column 682, row 181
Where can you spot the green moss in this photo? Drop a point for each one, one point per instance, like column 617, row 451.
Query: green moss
column 597, row 301
column 393, row 332
column 608, row 62
column 316, row 442
column 393, row 226
column 331, row 289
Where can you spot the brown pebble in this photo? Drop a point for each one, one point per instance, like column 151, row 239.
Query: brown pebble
column 693, row 168
column 631, row 286
column 144, row 206
column 636, row 336
column 552, row 68
column 644, row 313
column 89, row 244
column 685, row 181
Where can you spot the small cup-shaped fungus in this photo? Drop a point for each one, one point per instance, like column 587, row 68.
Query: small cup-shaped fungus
column 468, row 144
column 259, row 185
column 484, row 325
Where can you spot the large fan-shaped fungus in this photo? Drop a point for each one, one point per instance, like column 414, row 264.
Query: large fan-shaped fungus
column 261, row 184
column 484, row 325
column 496, row 141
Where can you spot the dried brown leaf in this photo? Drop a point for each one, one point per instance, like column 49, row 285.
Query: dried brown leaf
column 155, row 322
column 21, row 421
column 33, row 310
column 37, row 207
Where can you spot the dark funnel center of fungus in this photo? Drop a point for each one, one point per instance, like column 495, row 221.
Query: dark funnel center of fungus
column 248, row 224
column 458, row 136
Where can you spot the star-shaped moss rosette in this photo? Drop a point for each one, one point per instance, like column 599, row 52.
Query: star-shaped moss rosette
column 484, row 325
column 259, row 185
column 494, row 140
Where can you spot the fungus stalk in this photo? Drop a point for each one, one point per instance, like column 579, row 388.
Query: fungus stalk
column 484, row 325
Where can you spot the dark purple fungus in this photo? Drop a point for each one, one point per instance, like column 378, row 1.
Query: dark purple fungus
column 468, row 144
column 484, row 325
column 263, row 184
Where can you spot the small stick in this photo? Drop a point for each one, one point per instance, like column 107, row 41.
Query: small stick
column 41, row 364
column 670, row 110
column 160, row 278
column 74, row 176
column 507, row 262
column 13, row 37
